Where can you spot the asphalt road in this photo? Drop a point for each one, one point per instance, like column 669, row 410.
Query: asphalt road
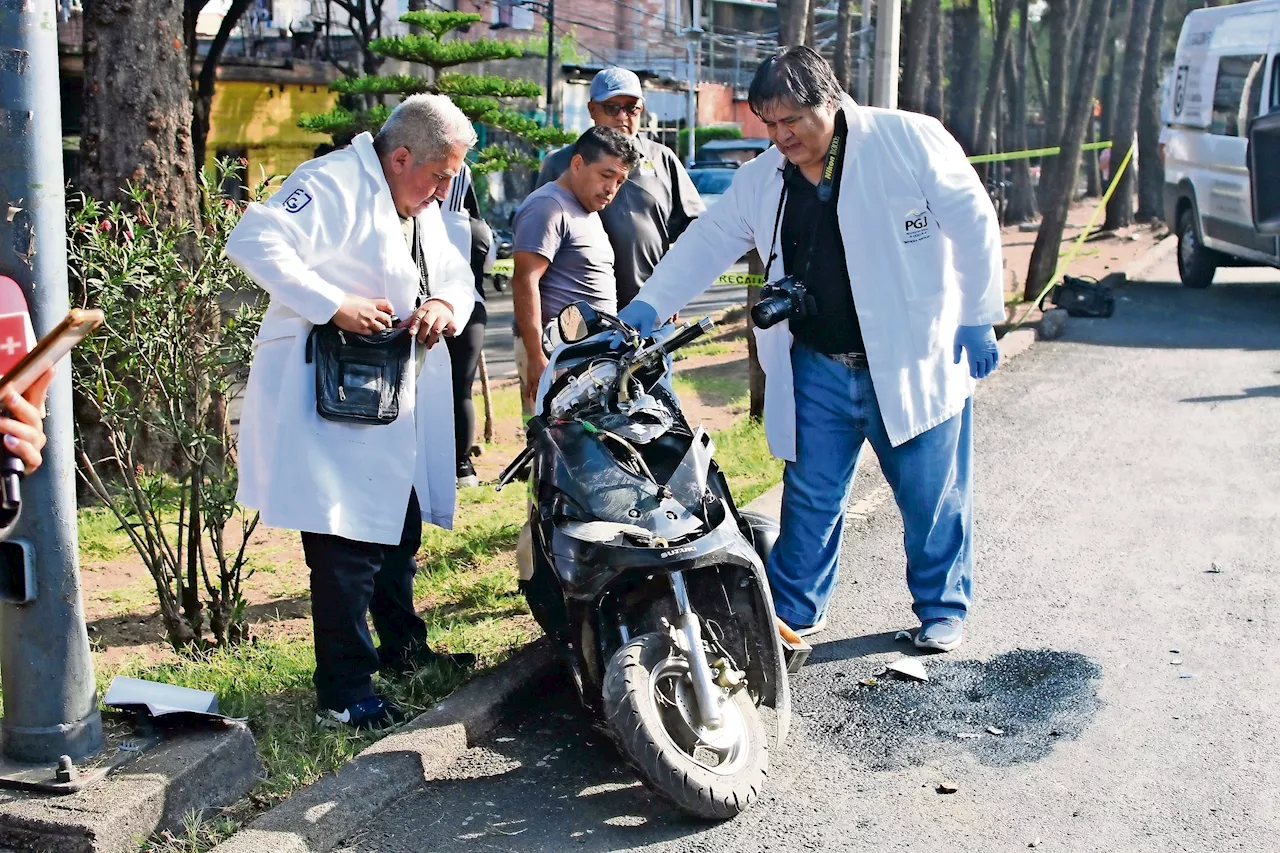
column 1128, row 518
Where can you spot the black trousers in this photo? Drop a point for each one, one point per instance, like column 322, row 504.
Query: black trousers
column 349, row 580
column 464, row 355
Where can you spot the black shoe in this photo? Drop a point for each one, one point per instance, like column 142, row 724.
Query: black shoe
column 370, row 714
column 422, row 657
column 467, row 474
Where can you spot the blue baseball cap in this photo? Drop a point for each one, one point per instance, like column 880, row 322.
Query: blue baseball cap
column 612, row 82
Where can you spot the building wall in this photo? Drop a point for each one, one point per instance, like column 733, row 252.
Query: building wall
column 259, row 120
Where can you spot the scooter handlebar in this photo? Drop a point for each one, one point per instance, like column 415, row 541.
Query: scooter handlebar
column 687, row 335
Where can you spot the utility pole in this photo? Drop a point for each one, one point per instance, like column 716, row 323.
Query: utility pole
column 864, row 54
column 693, row 39
column 551, row 62
column 50, row 708
column 888, row 37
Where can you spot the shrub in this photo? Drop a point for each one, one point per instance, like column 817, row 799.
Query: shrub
column 154, row 442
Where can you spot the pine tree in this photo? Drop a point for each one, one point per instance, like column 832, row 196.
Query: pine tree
column 477, row 96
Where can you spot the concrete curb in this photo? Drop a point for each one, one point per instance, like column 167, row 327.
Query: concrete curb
column 317, row 818
column 191, row 771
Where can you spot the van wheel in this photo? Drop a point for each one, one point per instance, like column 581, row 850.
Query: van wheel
column 1196, row 264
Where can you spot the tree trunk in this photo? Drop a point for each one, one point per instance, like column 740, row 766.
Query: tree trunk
column 1151, row 176
column 1037, row 74
column 1125, row 125
column 922, row 18
column 1044, row 257
column 991, row 98
column 844, row 63
column 935, row 102
column 1061, row 18
column 1092, row 168
column 808, row 24
column 134, row 131
column 966, row 51
column 793, row 22
column 203, row 85
column 1022, row 198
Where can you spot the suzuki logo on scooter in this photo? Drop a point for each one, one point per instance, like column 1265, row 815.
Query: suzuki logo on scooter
column 688, row 549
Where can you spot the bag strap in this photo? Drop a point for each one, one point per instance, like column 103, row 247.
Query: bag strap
column 424, row 285
column 777, row 221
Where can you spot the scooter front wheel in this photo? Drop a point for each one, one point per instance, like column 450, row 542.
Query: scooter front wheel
column 652, row 714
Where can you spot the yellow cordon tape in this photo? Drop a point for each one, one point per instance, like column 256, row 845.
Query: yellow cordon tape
column 1033, row 152
column 1064, row 262
column 507, row 266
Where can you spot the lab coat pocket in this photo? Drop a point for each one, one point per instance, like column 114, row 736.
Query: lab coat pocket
column 919, row 247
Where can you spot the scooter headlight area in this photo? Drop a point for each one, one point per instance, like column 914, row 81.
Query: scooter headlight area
column 636, row 560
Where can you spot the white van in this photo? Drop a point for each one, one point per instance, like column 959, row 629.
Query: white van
column 1225, row 91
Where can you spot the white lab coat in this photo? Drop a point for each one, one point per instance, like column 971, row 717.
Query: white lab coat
column 923, row 248
column 332, row 229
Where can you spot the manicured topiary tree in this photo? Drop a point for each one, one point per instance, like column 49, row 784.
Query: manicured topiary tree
column 480, row 97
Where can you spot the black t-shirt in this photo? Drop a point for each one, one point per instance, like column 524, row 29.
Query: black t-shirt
column 808, row 225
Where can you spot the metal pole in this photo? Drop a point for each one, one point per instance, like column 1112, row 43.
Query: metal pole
column 888, row 36
column 47, row 673
column 693, row 37
column 864, row 55
column 551, row 61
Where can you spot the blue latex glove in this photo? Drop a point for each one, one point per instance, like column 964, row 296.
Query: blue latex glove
column 641, row 316
column 979, row 343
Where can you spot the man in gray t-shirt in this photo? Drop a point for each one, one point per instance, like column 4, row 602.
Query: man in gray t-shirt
column 562, row 253
column 657, row 202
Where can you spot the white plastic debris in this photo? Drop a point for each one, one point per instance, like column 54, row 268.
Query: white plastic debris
column 995, row 731
column 903, row 635
column 909, row 668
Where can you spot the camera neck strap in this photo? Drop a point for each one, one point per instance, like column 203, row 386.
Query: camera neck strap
column 825, row 191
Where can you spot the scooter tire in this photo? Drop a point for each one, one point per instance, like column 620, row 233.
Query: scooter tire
column 664, row 768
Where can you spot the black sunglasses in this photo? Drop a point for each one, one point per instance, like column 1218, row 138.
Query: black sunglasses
column 612, row 110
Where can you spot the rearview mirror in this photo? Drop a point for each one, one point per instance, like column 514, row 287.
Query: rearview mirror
column 578, row 321
column 1264, row 172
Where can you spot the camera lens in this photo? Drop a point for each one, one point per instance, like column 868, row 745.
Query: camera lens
column 770, row 312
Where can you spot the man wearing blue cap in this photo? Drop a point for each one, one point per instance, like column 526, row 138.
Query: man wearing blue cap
column 657, row 202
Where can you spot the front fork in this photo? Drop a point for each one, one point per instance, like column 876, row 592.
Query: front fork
column 709, row 696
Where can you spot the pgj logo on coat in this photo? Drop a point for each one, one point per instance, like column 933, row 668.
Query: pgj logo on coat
column 915, row 226
column 297, row 200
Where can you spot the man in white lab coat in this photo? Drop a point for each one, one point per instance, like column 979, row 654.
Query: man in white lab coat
column 880, row 217
column 346, row 240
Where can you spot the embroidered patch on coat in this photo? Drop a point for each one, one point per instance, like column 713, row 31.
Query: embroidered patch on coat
column 297, row 200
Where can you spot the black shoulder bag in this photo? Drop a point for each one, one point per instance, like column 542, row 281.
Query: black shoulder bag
column 358, row 377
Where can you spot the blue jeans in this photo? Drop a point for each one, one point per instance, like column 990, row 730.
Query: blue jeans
column 931, row 478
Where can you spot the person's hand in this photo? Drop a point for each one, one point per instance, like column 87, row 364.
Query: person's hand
column 979, row 343
column 22, row 422
column 536, row 363
column 363, row 316
column 640, row 316
column 432, row 319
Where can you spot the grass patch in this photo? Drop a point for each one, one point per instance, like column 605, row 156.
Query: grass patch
column 711, row 388
column 101, row 537
column 708, row 349
column 743, row 454
column 270, row 683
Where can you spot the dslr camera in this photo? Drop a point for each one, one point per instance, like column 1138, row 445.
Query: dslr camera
column 784, row 299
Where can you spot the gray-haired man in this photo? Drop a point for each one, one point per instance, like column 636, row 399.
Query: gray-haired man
column 346, row 239
column 657, row 202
